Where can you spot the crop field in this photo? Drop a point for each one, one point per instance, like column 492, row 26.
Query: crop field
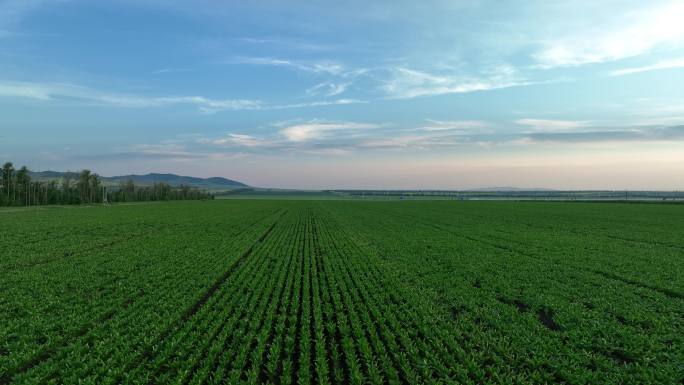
column 343, row 292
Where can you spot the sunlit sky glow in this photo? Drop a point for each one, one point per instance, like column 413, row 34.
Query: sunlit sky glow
column 356, row 94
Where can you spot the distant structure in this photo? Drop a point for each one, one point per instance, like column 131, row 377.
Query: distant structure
column 104, row 195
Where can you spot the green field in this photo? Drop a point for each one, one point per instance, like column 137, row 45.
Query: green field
column 343, row 292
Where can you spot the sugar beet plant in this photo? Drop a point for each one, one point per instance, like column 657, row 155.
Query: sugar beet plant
column 335, row 292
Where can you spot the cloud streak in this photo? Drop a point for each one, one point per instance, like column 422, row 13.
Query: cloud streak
column 336, row 102
column 318, row 67
column 327, row 89
column 285, row 43
column 320, row 129
column 628, row 134
column 242, row 140
column 339, row 138
column 405, row 83
column 454, row 125
column 661, row 65
column 549, row 125
column 315, row 137
column 71, row 93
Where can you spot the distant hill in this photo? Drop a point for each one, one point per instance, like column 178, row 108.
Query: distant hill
column 214, row 183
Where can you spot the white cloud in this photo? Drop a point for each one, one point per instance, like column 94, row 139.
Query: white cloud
column 319, row 129
column 598, row 135
column 71, row 93
column 171, row 70
column 161, row 151
column 342, row 138
column 243, row 140
column 548, row 125
column 330, row 138
column 666, row 64
column 317, row 137
column 213, row 105
column 169, row 150
column 327, row 89
column 461, row 125
column 634, row 35
column 30, row 91
column 408, row 83
column 316, row 104
column 287, row 43
column 317, row 67
column 204, row 104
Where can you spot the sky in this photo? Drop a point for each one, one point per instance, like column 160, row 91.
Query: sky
column 398, row 94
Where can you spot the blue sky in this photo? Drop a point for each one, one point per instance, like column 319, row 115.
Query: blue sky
column 353, row 94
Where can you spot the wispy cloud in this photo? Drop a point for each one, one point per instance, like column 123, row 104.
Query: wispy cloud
column 74, row 93
column 160, row 151
column 453, row 125
column 24, row 90
column 285, row 43
column 332, row 139
column 331, row 151
column 315, row 137
column 661, row 65
column 316, row 67
column 317, row 104
column 69, row 92
column 405, row 83
column 327, row 89
column 164, row 152
column 339, row 138
column 319, row 137
column 636, row 34
column 548, row 125
column 319, row 129
column 162, row 71
column 625, row 134
column 168, row 151
column 243, row 140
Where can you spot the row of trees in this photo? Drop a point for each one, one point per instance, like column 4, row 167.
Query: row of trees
column 18, row 189
column 127, row 191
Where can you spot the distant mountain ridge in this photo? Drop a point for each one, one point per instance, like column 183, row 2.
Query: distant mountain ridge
column 213, row 183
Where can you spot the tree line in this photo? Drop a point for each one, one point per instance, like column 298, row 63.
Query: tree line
column 18, row 189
